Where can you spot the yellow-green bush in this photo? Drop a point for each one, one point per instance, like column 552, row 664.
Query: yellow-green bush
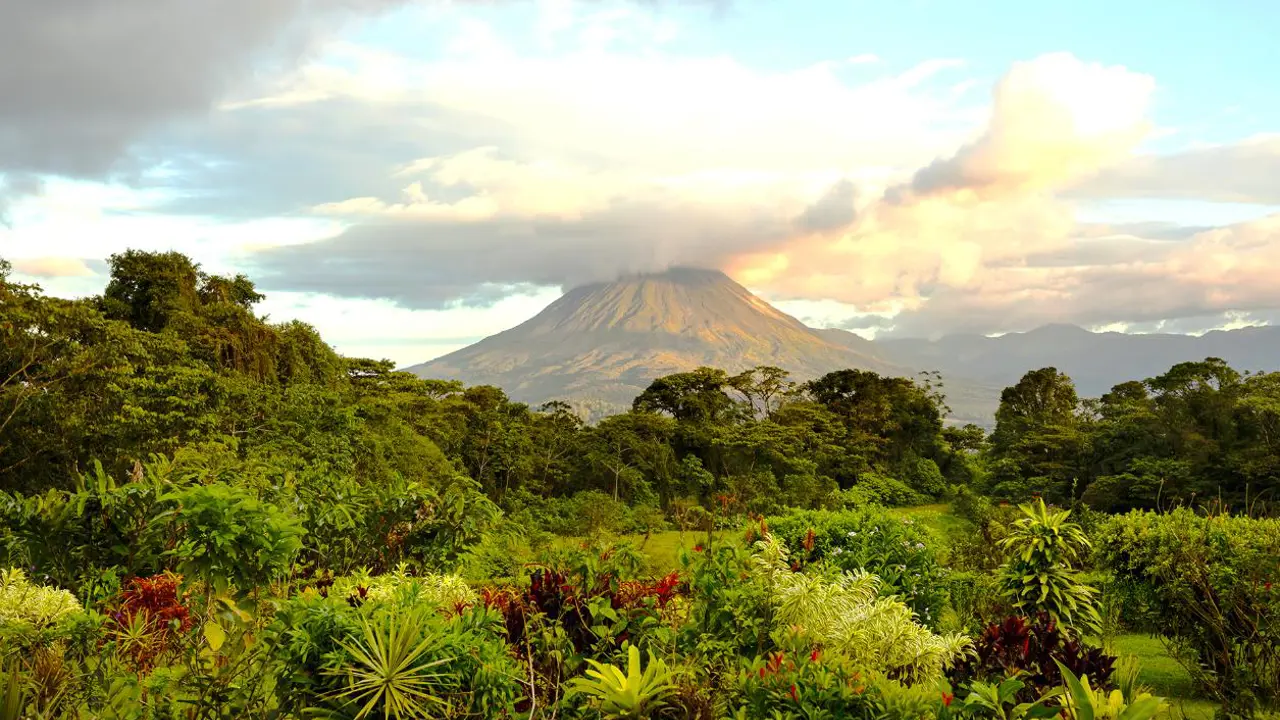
column 24, row 602
column 447, row 591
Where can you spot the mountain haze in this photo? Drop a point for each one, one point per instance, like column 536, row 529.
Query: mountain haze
column 1096, row 361
column 600, row 345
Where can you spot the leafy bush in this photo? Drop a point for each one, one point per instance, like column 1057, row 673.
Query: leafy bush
column 975, row 599
column 448, row 592
column 844, row 614
column 890, row 491
column 230, row 539
column 797, row 683
column 504, row 552
column 1032, row 651
column 896, row 550
column 925, row 478
column 1207, row 584
column 23, row 602
column 588, row 513
column 1038, row 575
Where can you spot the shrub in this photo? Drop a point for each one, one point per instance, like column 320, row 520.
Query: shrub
column 231, row 539
column 1207, row 585
column 975, row 599
column 796, row 682
column 447, row 592
column 305, row 638
column 1038, row 576
column 504, row 552
column 1031, row 650
column 150, row 617
column 890, row 491
column 23, row 602
column 844, row 614
column 896, row 550
column 588, row 513
column 925, row 477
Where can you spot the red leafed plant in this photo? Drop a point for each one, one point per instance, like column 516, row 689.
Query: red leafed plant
column 151, row 615
column 1029, row 647
column 630, row 594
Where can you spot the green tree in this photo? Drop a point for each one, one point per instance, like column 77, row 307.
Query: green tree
column 697, row 396
column 1039, row 436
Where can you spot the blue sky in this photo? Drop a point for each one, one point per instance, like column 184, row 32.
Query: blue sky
column 411, row 176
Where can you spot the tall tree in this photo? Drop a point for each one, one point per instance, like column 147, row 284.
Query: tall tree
column 1038, row 442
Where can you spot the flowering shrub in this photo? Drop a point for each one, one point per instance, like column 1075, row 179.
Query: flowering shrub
column 896, row 550
column 24, row 602
column 795, row 683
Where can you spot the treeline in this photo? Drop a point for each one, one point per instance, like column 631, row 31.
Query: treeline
column 173, row 361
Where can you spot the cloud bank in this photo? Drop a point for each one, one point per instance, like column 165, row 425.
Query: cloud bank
column 585, row 145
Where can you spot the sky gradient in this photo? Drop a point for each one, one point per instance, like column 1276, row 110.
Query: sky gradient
column 412, row 176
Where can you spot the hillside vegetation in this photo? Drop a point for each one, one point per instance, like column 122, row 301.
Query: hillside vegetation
column 204, row 514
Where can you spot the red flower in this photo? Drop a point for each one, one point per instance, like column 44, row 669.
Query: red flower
column 761, row 673
column 808, row 540
column 947, row 698
column 697, row 548
column 795, row 695
column 813, row 656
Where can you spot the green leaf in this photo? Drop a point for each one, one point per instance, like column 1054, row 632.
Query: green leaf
column 214, row 635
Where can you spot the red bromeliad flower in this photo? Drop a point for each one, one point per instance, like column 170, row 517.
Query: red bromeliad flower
column 697, row 548
column 813, row 656
column 947, row 698
column 795, row 694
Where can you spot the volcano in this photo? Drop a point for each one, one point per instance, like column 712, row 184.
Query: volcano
column 600, row 345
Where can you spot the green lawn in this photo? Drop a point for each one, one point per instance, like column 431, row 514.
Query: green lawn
column 1166, row 677
column 937, row 518
column 662, row 550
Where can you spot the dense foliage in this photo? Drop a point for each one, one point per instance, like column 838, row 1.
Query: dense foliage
column 204, row 514
column 1211, row 586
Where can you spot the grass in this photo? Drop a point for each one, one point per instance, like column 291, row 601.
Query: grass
column 1164, row 675
column 662, row 550
column 937, row 518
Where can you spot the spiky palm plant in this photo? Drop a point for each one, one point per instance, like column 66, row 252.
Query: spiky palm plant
column 630, row 696
column 390, row 670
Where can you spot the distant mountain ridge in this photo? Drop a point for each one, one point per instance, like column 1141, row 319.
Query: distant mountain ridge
column 1096, row 361
column 600, row 345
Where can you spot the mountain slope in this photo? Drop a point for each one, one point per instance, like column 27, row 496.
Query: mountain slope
column 1095, row 361
column 601, row 344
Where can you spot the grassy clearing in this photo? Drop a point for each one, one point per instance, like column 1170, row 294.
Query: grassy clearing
column 1164, row 675
column 937, row 517
column 662, row 549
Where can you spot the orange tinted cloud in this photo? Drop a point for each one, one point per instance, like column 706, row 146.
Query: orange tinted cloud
column 1053, row 119
column 969, row 222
